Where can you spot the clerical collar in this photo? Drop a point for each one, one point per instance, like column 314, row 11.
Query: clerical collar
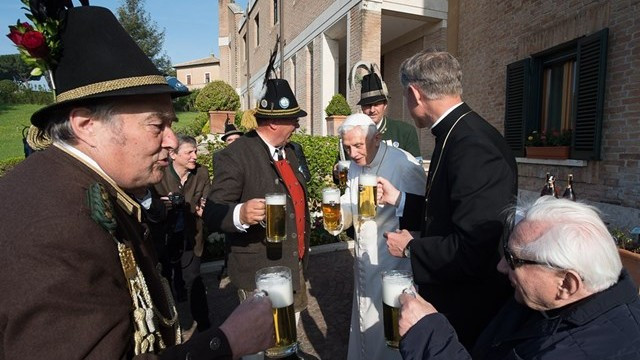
column 124, row 200
column 445, row 114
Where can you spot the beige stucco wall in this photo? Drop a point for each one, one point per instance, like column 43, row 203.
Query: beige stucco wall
column 197, row 73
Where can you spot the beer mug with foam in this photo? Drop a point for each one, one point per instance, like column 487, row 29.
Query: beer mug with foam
column 393, row 283
column 331, row 210
column 343, row 171
column 276, row 281
column 367, row 196
column 276, row 217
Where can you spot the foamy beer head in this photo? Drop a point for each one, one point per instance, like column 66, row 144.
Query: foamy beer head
column 367, row 196
column 330, row 195
column 393, row 283
column 276, row 281
column 276, row 217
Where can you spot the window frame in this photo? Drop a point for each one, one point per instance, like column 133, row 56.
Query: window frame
column 523, row 95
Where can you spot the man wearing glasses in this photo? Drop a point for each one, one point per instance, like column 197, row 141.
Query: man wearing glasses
column 573, row 299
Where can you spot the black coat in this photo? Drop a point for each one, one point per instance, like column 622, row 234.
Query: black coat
column 454, row 261
column 244, row 171
column 604, row 326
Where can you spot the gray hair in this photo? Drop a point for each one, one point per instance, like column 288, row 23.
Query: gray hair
column 59, row 127
column 369, row 130
column 186, row 139
column 435, row 73
column 573, row 238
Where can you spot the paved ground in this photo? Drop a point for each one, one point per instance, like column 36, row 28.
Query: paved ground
column 323, row 330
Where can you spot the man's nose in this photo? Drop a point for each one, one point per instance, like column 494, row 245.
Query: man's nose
column 502, row 266
column 169, row 139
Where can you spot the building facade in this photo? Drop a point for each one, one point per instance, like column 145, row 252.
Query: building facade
column 527, row 66
column 197, row 73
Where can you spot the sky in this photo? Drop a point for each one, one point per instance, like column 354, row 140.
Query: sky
column 191, row 26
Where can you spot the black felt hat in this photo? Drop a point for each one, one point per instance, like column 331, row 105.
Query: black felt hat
column 372, row 89
column 99, row 59
column 278, row 102
column 230, row 129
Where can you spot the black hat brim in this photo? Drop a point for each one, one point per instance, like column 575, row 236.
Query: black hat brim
column 238, row 132
column 372, row 100
column 41, row 117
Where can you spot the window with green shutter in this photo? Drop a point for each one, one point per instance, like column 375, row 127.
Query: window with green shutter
column 559, row 90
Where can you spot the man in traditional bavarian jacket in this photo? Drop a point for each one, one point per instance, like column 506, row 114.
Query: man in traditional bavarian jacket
column 78, row 278
column 396, row 133
column 261, row 162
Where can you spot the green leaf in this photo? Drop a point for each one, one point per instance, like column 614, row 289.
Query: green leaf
column 36, row 72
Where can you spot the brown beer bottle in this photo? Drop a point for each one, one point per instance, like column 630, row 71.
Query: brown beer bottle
column 546, row 189
column 568, row 192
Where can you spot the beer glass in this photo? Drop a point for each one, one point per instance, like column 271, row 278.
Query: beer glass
column 367, row 196
column 343, row 170
column 276, row 281
column 276, row 217
column 393, row 283
column 331, row 210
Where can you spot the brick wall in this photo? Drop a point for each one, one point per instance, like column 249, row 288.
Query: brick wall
column 494, row 34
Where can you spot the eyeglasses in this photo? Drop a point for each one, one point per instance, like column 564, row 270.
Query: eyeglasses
column 515, row 262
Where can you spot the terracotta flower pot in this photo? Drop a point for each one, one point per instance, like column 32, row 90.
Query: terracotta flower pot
column 333, row 123
column 631, row 262
column 217, row 120
column 548, row 152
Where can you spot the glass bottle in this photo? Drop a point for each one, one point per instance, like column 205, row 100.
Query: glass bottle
column 568, row 192
column 546, row 189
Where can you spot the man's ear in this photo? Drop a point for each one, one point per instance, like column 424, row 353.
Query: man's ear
column 569, row 285
column 414, row 92
column 83, row 125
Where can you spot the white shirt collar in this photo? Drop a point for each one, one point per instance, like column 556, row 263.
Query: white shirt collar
column 446, row 113
column 272, row 149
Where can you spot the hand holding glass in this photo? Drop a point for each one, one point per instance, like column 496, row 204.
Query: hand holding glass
column 394, row 282
column 276, row 281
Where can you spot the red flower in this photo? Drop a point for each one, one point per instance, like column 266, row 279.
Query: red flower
column 33, row 42
column 15, row 35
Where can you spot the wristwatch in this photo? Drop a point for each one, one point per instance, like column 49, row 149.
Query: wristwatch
column 407, row 250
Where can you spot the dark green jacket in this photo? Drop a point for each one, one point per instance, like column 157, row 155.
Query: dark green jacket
column 399, row 134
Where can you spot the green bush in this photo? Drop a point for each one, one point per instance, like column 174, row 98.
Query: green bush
column 186, row 103
column 217, row 96
column 338, row 106
column 8, row 164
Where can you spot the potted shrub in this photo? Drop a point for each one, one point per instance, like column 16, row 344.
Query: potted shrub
column 550, row 145
column 220, row 101
column 629, row 250
column 337, row 110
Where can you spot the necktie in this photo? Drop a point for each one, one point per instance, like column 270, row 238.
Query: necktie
column 279, row 154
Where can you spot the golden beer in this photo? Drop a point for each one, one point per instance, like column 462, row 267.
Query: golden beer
column 276, row 217
column 367, row 196
column 393, row 283
column 331, row 210
column 276, row 281
column 343, row 171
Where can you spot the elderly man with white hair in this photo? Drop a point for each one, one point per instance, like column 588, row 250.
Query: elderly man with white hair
column 573, row 300
column 362, row 142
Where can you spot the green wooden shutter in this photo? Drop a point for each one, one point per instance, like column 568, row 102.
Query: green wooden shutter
column 590, row 74
column 516, row 104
